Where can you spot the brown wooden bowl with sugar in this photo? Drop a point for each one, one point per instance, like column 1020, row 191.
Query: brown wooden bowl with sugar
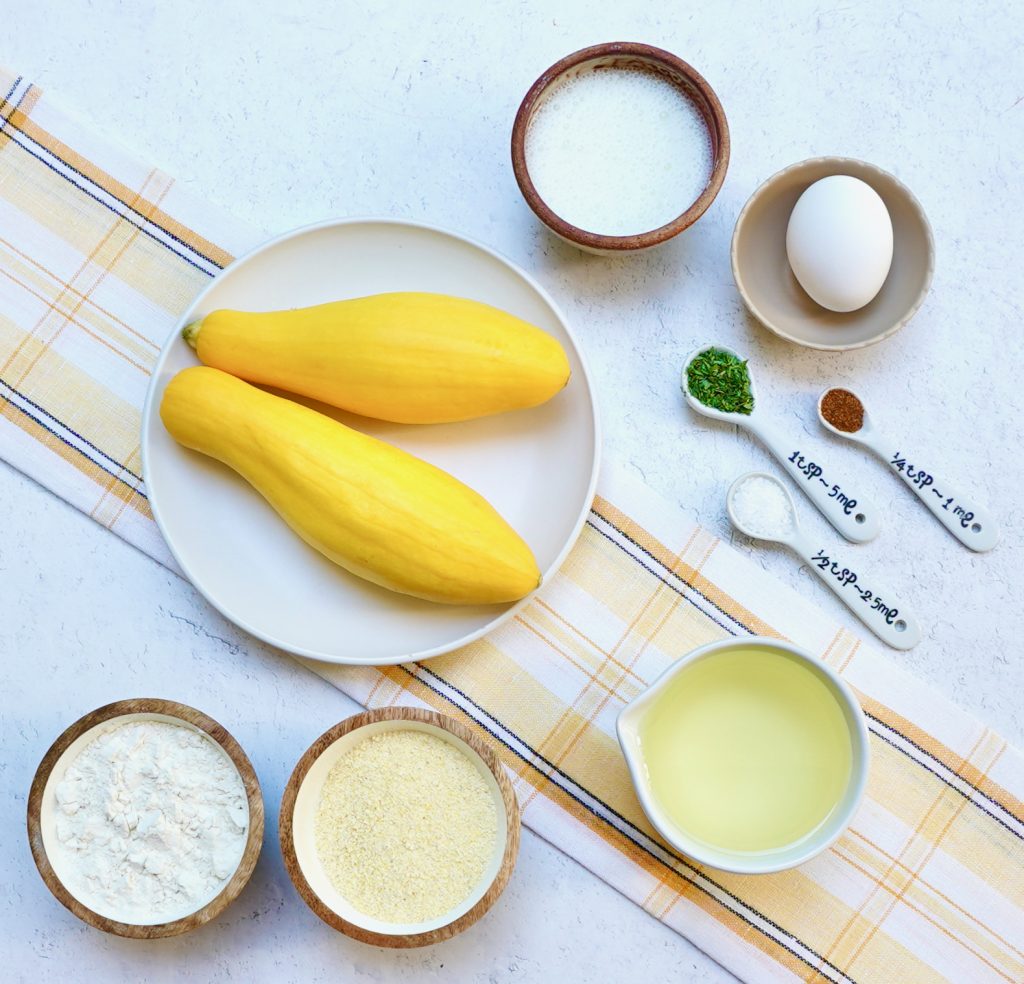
column 63, row 751
column 623, row 55
column 297, row 835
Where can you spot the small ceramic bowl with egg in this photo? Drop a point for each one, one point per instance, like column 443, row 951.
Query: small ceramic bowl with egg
column 56, row 862
column 399, row 827
column 620, row 147
column 833, row 253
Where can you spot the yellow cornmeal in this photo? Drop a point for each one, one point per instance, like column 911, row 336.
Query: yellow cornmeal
column 405, row 826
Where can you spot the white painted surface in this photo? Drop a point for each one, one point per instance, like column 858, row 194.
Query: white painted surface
column 287, row 113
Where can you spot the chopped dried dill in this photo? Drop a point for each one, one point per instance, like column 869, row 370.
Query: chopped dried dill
column 721, row 381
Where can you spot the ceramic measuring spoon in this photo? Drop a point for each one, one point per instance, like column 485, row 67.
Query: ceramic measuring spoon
column 874, row 604
column 850, row 513
column 970, row 523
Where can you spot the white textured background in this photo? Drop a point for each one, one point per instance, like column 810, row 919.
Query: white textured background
column 286, row 113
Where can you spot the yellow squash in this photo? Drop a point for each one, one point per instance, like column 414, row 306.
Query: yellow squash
column 407, row 357
column 379, row 512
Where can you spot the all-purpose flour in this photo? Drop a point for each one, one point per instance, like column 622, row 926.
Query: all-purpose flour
column 151, row 822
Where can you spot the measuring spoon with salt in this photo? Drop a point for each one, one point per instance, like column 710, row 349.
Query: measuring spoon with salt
column 760, row 506
column 852, row 515
column 971, row 524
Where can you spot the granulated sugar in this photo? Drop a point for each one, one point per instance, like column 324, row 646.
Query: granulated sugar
column 618, row 151
column 406, row 826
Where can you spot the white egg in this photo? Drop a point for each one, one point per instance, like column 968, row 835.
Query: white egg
column 839, row 242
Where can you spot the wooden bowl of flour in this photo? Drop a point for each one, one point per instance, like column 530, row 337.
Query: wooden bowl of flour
column 42, row 810
column 595, row 62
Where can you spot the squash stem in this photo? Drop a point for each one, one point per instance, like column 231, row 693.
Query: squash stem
column 191, row 332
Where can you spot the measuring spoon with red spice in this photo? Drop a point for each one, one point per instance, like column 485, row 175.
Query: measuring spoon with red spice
column 843, row 412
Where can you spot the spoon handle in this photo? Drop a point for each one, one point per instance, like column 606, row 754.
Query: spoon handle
column 874, row 604
column 973, row 525
column 851, row 514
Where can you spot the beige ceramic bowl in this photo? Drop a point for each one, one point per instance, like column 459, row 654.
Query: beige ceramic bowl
column 604, row 57
column 773, row 295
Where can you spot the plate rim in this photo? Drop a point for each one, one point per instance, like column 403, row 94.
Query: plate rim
column 148, row 410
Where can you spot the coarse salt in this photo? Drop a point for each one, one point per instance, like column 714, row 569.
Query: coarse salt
column 618, row 151
column 762, row 508
column 406, row 826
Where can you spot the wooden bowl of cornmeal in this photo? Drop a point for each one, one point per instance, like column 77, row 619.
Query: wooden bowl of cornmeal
column 399, row 827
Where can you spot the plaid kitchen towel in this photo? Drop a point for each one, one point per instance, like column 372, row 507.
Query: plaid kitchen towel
column 98, row 257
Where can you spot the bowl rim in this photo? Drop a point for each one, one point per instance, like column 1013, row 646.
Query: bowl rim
column 755, row 864
column 476, row 745
column 832, row 161
column 643, row 240
column 188, row 716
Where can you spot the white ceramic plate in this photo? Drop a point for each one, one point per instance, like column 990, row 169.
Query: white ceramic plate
column 537, row 467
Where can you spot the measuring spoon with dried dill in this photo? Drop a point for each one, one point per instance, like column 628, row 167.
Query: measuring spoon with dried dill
column 717, row 383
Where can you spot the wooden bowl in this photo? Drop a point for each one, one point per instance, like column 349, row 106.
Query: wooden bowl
column 302, row 797
column 64, row 750
column 623, row 54
column 760, row 265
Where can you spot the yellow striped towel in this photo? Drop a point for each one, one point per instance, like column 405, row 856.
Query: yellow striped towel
column 99, row 255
